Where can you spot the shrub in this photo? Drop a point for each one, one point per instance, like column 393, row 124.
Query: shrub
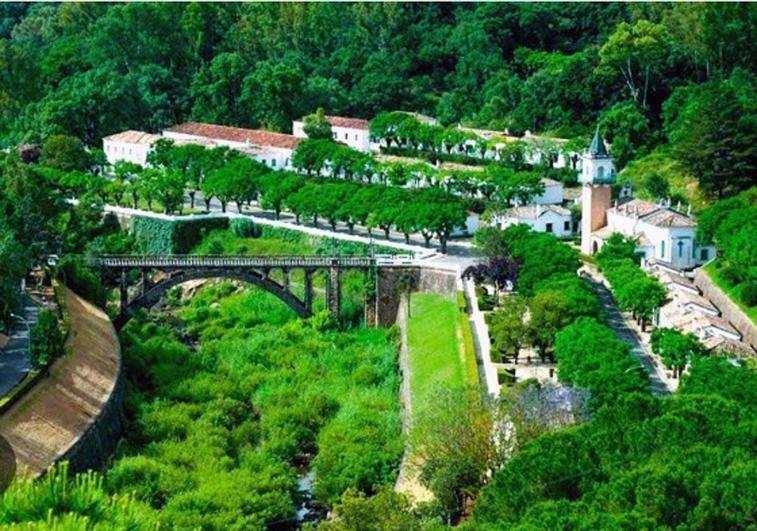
column 215, row 247
column 244, row 228
column 749, row 293
column 47, row 340
column 730, row 275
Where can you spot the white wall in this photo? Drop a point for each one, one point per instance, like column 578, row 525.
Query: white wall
column 552, row 195
column 471, row 225
column 358, row 139
column 131, row 152
column 557, row 221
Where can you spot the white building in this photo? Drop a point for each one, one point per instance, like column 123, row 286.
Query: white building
column 662, row 234
column 353, row 132
column 552, row 194
column 131, row 146
column 272, row 149
column 552, row 219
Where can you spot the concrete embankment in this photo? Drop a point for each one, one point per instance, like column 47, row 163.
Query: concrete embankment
column 727, row 307
column 75, row 413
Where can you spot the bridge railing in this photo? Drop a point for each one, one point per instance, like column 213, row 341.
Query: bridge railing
column 122, row 261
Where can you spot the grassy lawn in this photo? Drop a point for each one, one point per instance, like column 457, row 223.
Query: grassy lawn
column 733, row 292
column 437, row 355
column 227, row 242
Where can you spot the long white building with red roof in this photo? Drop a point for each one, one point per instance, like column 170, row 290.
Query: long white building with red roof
column 272, row 149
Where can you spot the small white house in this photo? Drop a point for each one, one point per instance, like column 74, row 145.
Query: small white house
column 552, row 219
column 353, row 132
column 131, row 146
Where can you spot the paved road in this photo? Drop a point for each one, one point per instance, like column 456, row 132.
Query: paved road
column 459, row 251
column 15, row 358
column 617, row 322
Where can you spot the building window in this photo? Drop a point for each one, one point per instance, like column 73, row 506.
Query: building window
column 334, row 135
column 549, row 227
column 346, row 136
column 356, row 137
column 680, row 249
column 273, row 162
column 704, row 255
column 566, row 225
column 600, row 172
column 662, row 249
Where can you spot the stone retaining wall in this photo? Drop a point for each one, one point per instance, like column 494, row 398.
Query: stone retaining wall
column 727, row 307
column 75, row 413
column 442, row 281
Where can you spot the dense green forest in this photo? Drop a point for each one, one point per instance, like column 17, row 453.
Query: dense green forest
column 92, row 69
column 670, row 81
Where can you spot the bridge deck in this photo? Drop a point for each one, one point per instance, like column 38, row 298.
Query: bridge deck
column 216, row 261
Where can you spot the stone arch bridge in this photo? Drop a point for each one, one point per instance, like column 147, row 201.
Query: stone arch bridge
column 380, row 303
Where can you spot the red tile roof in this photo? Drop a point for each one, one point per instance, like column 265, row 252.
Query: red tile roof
column 257, row 137
column 352, row 123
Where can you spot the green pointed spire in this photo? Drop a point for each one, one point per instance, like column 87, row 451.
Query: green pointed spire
column 597, row 147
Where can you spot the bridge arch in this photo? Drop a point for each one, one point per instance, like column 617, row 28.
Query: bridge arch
column 153, row 295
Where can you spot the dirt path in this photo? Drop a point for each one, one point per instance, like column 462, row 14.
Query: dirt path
column 408, row 482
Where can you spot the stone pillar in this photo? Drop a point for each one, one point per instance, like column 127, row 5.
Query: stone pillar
column 285, row 281
column 124, row 292
column 145, row 281
column 333, row 290
column 371, row 299
column 309, row 290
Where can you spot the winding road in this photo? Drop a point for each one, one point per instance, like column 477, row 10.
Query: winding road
column 15, row 358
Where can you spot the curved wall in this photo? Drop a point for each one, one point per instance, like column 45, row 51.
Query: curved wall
column 75, row 413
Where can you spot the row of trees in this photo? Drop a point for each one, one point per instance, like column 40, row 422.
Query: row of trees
column 404, row 131
column 633, row 289
column 232, row 177
column 432, row 212
column 493, row 182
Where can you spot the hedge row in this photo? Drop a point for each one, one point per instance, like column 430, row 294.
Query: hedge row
column 180, row 236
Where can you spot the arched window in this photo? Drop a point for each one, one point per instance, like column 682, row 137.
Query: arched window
column 601, row 172
column 662, row 249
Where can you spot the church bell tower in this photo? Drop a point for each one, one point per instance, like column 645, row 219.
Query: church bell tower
column 597, row 176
